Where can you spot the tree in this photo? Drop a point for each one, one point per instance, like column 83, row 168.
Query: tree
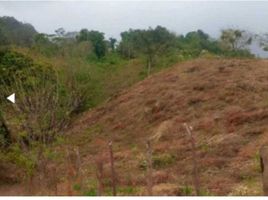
column 193, row 43
column 263, row 41
column 126, row 46
column 150, row 42
column 112, row 42
column 60, row 32
column 154, row 42
column 43, row 45
column 234, row 39
column 97, row 40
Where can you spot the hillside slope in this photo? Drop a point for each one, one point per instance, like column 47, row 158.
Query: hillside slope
column 225, row 101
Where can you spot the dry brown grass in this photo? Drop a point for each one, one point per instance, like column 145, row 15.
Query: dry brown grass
column 217, row 103
column 224, row 100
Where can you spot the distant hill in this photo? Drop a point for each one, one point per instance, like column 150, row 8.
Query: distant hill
column 15, row 32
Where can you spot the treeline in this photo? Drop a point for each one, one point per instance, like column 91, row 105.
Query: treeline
column 151, row 45
column 150, row 42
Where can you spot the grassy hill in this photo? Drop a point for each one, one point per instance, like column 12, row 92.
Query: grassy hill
column 224, row 100
column 75, row 95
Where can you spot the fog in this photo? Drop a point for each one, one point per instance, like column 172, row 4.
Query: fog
column 113, row 17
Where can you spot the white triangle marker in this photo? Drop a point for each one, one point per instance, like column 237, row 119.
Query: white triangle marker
column 12, row 98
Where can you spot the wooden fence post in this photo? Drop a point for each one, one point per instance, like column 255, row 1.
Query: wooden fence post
column 112, row 168
column 264, row 168
column 194, row 159
column 55, row 180
column 70, row 173
column 149, row 168
column 78, row 163
column 99, row 174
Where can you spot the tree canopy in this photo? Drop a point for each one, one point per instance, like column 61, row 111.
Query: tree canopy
column 97, row 40
column 234, row 39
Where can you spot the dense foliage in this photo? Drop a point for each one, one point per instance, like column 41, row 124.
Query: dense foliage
column 45, row 102
column 97, row 40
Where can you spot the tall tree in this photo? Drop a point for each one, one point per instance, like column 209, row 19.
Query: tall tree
column 154, row 42
column 127, row 44
column 97, row 40
column 234, row 39
column 263, row 41
column 112, row 42
column 60, row 32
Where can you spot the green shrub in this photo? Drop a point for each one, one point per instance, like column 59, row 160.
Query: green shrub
column 77, row 187
column 25, row 161
column 45, row 103
column 186, row 190
column 91, row 192
column 158, row 161
column 127, row 190
column 163, row 160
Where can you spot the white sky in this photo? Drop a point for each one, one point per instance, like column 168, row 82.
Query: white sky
column 114, row 17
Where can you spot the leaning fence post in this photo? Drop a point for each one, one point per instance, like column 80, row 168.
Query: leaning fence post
column 99, row 174
column 55, row 181
column 194, row 159
column 264, row 166
column 79, row 176
column 112, row 168
column 149, row 168
column 70, row 173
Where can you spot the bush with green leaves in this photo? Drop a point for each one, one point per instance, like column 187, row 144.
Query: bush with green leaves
column 151, row 43
column 44, row 104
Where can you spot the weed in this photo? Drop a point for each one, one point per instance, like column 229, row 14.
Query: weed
column 77, row 187
column 123, row 190
column 186, row 190
column 257, row 159
column 205, row 148
column 205, row 192
column 127, row 190
column 143, row 164
column 163, row 160
column 91, row 192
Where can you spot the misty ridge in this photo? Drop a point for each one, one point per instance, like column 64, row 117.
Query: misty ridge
column 142, row 110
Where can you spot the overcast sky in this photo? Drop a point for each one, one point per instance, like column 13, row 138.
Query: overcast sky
column 114, row 17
